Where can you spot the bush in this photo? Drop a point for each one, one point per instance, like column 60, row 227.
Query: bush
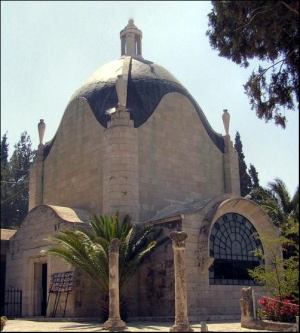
column 3, row 322
column 278, row 310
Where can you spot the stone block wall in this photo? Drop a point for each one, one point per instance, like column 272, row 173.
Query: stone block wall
column 231, row 168
column 36, row 181
column 120, row 167
column 27, row 251
column 73, row 168
column 86, row 297
column 154, row 298
column 178, row 162
column 212, row 302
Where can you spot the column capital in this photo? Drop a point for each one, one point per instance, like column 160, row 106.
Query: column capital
column 114, row 245
column 178, row 238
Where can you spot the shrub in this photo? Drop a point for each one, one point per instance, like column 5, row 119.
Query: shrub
column 278, row 310
column 3, row 322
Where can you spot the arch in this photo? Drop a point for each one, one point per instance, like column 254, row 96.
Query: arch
column 232, row 243
column 67, row 214
column 223, row 205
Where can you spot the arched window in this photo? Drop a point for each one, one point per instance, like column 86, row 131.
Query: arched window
column 232, row 242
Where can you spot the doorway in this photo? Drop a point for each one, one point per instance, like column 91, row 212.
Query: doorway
column 40, row 289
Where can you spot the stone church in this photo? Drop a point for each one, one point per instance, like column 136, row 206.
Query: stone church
column 133, row 139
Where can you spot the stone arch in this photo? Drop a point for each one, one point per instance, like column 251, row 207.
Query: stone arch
column 223, row 205
column 252, row 212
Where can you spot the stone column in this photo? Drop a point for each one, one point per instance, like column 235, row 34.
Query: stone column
column 181, row 317
column 114, row 322
column 231, row 168
column 230, row 161
column 120, row 167
column 246, row 303
column 36, row 171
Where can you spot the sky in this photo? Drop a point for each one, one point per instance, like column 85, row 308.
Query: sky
column 48, row 49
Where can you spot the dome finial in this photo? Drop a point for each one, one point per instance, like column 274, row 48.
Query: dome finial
column 131, row 40
column 226, row 121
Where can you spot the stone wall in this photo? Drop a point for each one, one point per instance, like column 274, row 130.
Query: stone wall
column 177, row 159
column 207, row 301
column 27, row 251
column 154, row 299
column 120, row 167
column 73, row 168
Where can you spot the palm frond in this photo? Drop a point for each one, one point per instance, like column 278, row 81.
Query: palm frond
column 87, row 248
column 279, row 189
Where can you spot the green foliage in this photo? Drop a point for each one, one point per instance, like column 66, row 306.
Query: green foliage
column 245, row 179
column 267, row 31
column 87, row 249
column 14, row 181
column 283, row 210
column 3, row 321
column 281, row 273
column 5, row 186
column 254, row 176
column 279, row 276
column 4, row 151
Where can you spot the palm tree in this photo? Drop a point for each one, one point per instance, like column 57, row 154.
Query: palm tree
column 87, row 249
column 282, row 209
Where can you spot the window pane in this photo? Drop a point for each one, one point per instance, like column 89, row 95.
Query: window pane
column 233, row 242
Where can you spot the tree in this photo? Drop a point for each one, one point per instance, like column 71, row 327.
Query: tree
column 282, row 209
column 87, row 249
column 245, row 180
column 5, row 184
column 268, row 31
column 4, row 151
column 254, row 176
column 14, row 197
column 280, row 275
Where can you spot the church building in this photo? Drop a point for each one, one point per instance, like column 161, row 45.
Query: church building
column 132, row 139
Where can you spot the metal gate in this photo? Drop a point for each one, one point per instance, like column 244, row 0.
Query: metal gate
column 13, row 303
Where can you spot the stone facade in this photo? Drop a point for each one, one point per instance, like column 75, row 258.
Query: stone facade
column 177, row 160
column 27, row 255
column 73, row 170
column 133, row 139
column 206, row 301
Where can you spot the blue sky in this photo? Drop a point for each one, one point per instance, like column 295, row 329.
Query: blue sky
column 48, row 49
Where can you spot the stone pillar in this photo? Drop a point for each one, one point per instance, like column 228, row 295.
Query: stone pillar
column 181, row 317
column 230, row 161
column 114, row 322
column 246, row 303
column 120, row 167
column 231, row 168
column 36, row 171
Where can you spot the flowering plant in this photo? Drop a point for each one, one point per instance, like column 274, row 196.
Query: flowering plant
column 277, row 309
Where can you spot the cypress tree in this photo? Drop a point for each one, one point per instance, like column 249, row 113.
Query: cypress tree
column 254, row 176
column 5, row 182
column 19, row 164
column 245, row 180
column 15, row 181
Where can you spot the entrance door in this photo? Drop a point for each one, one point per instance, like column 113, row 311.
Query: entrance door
column 40, row 289
column 44, row 290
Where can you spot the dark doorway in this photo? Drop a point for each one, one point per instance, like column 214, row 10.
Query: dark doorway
column 40, row 289
column 44, row 290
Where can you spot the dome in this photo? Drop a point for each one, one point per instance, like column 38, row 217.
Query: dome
column 147, row 83
column 144, row 83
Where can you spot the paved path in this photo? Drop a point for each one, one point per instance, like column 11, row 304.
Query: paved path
column 16, row 325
